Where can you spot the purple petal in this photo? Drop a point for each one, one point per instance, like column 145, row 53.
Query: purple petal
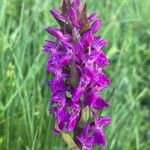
column 100, row 103
column 52, row 68
column 94, row 101
column 50, row 46
column 84, row 81
column 66, row 59
column 57, row 33
column 79, row 52
column 103, row 121
column 90, row 72
column 62, row 117
column 99, row 138
column 71, row 124
column 67, row 45
column 86, row 142
column 96, row 25
column 58, row 98
column 85, row 131
column 98, row 129
column 99, row 43
column 75, row 112
column 76, row 4
column 56, row 85
column 79, row 47
column 102, row 60
column 87, row 39
column 77, row 94
column 84, row 138
column 92, row 17
column 102, row 81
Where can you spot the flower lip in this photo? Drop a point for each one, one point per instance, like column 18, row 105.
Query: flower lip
column 94, row 133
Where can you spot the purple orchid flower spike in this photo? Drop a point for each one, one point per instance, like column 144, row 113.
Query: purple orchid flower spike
column 76, row 61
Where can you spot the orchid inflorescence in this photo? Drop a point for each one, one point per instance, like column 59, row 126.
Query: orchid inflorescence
column 76, row 63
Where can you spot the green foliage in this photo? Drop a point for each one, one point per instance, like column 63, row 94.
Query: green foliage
column 24, row 118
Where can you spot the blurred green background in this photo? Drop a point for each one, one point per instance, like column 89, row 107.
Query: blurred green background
column 24, row 118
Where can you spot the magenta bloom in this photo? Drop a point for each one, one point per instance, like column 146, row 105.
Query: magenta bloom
column 76, row 63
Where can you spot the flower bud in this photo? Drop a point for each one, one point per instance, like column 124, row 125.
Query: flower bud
column 74, row 18
column 95, row 26
column 57, row 14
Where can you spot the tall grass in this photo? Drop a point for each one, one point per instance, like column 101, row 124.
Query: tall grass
column 24, row 118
